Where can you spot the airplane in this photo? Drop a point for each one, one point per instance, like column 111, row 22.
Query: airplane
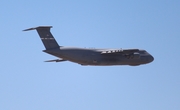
column 89, row 56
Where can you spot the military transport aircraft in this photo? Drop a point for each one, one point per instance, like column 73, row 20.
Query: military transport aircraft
column 95, row 57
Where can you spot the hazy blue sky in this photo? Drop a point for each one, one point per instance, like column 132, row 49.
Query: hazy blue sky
column 28, row 83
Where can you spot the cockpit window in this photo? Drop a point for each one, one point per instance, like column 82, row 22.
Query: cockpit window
column 143, row 52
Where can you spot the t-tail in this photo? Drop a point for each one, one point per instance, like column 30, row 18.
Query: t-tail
column 46, row 36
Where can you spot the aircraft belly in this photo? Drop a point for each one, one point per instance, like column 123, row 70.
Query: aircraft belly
column 116, row 60
column 111, row 60
column 84, row 58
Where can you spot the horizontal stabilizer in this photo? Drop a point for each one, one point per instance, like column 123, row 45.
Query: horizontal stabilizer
column 56, row 60
column 37, row 28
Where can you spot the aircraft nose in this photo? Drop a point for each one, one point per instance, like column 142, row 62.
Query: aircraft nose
column 151, row 58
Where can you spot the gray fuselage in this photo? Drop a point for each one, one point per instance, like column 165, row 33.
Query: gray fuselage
column 85, row 56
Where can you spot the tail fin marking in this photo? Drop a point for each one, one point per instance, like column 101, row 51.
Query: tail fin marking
column 46, row 36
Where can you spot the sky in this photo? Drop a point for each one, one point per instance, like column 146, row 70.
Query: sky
column 29, row 83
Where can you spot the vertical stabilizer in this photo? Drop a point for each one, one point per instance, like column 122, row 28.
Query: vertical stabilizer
column 46, row 36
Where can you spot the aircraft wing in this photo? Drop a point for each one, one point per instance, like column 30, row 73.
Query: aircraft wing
column 56, row 60
column 120, row 51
